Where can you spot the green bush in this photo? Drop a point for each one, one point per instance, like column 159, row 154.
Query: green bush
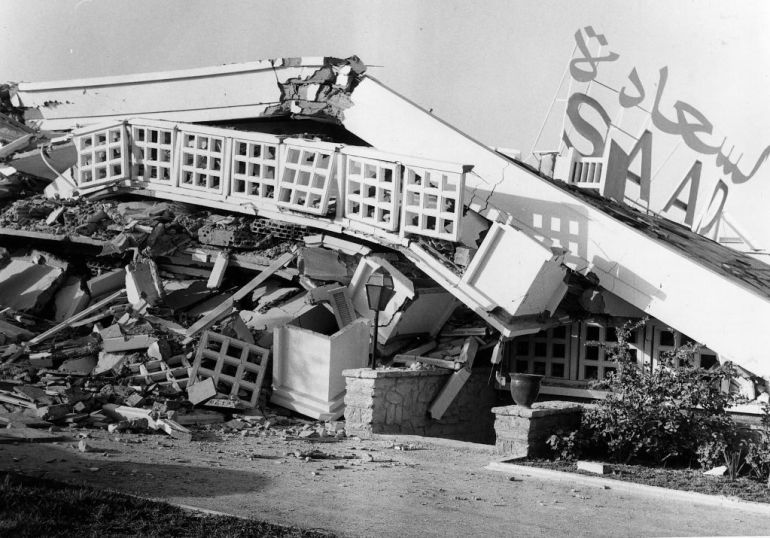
column 758, row 451
column 674, row 413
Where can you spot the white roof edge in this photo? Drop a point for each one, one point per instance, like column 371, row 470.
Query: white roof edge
column 374, row 153
column 260, row 65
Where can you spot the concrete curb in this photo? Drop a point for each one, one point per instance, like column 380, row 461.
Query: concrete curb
column 630, row 487
column 205, row 511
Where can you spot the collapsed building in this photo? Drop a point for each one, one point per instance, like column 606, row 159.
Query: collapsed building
column 149, row 199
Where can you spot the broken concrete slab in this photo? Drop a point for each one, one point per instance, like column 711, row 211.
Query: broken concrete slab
column 217, row 275
column 143, row 283
column 70, row 299
column 19, row 144
column 335, row 243
column 107, row 282
column 199, row 392
column 48, row 162
column 275, row 297
column 181, row 294
column 113, row 340
column 109, row 362
column 26, row 286
column 322, row 264
column 241, row 330
column 595, row 467
column 79, row 366
column 14, row 332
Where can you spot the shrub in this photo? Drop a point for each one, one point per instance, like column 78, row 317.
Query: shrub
column 758, row 451
column 565, row 446
column 674, row 412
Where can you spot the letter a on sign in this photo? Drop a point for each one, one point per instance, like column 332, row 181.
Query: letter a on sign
column 618, row 173
column 692, row 177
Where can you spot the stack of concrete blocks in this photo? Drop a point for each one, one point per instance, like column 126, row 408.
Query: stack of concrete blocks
column 522, row 432
column 396, row 401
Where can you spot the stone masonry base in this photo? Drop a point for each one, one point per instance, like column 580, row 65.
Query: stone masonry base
column 522, row 432
column 396, row 401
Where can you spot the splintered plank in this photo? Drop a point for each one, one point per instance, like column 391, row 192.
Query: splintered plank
column 67, row 322
column 448, row 393
column 455, row 384
column 441, row 363
column 225, row 307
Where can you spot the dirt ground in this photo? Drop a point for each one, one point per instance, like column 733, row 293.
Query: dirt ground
column 390, row 486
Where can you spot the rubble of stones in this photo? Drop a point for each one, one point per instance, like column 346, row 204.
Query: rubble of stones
column 104, row 303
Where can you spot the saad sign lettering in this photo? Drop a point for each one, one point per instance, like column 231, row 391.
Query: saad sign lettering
column 681, row 119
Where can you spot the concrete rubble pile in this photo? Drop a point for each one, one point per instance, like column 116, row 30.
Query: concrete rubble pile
column 132, row 314
column 164, row 267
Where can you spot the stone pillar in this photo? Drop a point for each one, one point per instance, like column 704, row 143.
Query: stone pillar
column 522, row 432
column 396, row 401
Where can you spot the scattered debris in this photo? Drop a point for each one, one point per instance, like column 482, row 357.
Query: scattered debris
column 123, row 312
column 593, row 467
column 716, row 471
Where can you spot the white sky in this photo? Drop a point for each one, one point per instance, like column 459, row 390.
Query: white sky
column 489, row 67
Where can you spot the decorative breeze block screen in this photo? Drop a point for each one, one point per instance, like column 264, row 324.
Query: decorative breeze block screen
column 255, row 169
column 102, row 156
column 595, row 361
column 306, row 179
column 152, row 150
column 202, row 162
column 432, row 203
column 372, row 189
column 233, row 364
column 545, row 353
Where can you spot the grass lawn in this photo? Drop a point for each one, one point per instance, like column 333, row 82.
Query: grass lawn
column 38, row 507
column 681, row 479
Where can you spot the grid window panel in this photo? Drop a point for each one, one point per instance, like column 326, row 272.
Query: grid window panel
column 202, row 162
column 666, row 340
column 372, row 192
column 102, row 156
column 595, row 359
column 152, row 150
column 545, row 353
column 255, row 169
column 432, row 203
column 306, row 179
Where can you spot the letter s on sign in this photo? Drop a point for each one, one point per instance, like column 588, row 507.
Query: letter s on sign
column 582, row 126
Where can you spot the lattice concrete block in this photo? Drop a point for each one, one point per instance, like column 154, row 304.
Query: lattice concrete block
column 202, row 164
column 432, row 202
column 372, row 190
column 254, row 168
column 102, row 155
column 306, row 178
column 232, row 364
column 152, row 150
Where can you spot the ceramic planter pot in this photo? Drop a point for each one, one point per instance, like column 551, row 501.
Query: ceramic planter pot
column 525, row 388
